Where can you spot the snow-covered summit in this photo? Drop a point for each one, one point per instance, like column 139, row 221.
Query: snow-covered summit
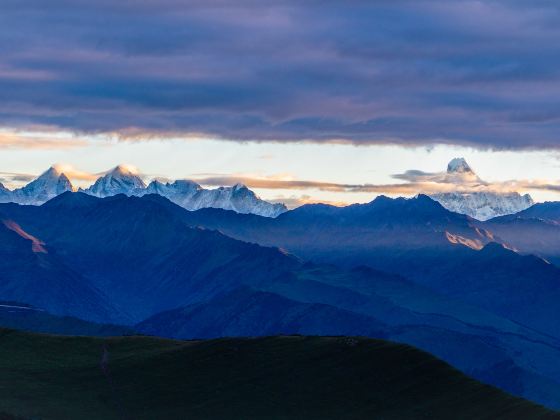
column 481, row 205
column 192, row 196
column 458, row 165
column 484, row 205
column 120, row 180
column 48, row 185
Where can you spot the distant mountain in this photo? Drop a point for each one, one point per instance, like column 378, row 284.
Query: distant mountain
column 484, row 205
column 29, row 318
column 187, row 194
column 381, row 232
column 247, row 312
column 267, row 378
column 535, row 230
column 120, row 180
column 481, row 205
column 239, row 198
column 416, row 238
column 48, row 185
column 525, row 289
column 549, row 211
column 125, row 180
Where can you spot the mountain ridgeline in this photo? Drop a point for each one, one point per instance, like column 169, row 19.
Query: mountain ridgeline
column 406, row 270
column 124, row 180
column 475, row 197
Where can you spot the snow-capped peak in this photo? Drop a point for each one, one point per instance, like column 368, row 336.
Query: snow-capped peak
column 124, row 170
column 239, row 186
column 48, row 185
column 459, row 165
column 192, row 196
column 122, row 179
column 482, row 203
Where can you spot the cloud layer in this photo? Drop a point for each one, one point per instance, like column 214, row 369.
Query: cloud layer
column 481, row 73
column 411, row 182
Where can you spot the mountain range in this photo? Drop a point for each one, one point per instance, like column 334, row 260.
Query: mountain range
column 123, row 180
column 407, row 270
column 481, row 205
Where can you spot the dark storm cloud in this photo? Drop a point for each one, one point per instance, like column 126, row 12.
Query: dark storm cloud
column 485, row 74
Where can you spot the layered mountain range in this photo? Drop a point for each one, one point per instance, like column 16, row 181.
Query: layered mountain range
column 406, row 270
column 123, row 180
column 481, row 205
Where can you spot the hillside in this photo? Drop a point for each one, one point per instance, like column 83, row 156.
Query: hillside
column 53, row 377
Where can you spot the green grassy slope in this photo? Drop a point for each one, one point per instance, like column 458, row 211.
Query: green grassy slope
column 55, row 377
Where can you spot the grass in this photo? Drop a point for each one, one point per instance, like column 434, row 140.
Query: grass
column 55, row 377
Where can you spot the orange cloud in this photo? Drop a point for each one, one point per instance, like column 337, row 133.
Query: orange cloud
column 13, row 140
column 423, row 183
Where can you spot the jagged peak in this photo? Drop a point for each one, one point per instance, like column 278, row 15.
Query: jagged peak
column 124, row 169
column 55, row 171
column 239, row 186
column 459, row 166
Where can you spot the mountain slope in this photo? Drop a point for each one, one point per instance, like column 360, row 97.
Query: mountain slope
column 31, row 272
column 525, row 289
column 535, row 230
column 381, row 233
column 108, row 241
column 286, row 377
column 246, row 312
column 29, row 318
column 549, row 211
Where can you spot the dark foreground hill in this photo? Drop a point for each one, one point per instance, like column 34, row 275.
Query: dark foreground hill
column 54, row 377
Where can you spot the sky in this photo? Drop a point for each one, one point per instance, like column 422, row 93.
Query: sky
column 301, row 100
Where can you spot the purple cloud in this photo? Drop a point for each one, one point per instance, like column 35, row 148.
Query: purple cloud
column 475, row 73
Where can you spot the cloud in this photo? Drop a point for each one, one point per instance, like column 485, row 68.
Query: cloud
column 483, row 74
column 415, row 182
column 75, row 174
column 14, row 140
column 294, row 201
column 16, row 177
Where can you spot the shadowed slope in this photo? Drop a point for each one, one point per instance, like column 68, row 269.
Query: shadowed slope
column 270, row 378
column 30, row 273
